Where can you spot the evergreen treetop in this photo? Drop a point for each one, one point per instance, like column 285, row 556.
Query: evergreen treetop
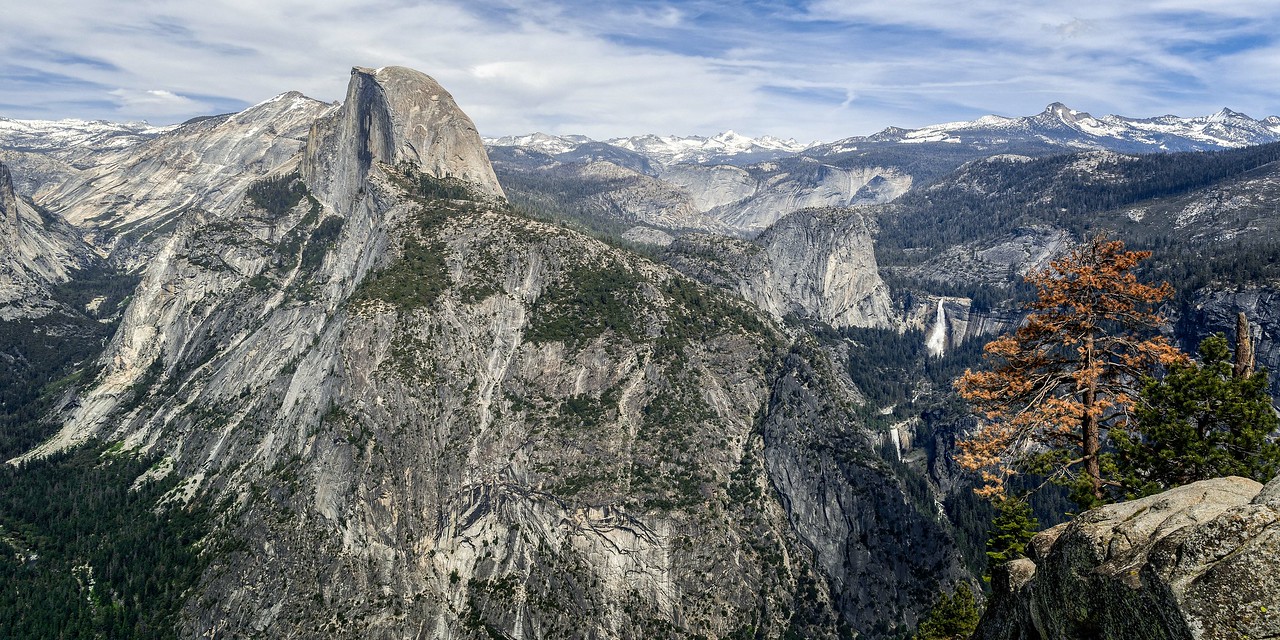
column 954, row 617
column 1200, row 421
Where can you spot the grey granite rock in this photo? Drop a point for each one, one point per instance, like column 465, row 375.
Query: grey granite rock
column 394, row 115
column 1200, row 561
column 500, row 444
column 38, row 251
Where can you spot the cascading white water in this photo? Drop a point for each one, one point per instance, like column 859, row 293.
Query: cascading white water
column 896, row 437
column 936, row 343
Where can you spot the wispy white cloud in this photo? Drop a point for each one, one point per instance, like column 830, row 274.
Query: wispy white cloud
column 822, row 69
column 157, row 101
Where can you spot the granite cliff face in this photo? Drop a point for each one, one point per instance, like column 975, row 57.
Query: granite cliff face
column 821, row 263
column 130, row 199
column 1213, row 310
column 44, row 154
column 872, row 540
column 37, row 252
column 815, row 263
column 422, row 413
column 632, row 197
column 996, row 262
column 949, row 322
column 394, row 115
column 750, row 199
column 1199, row 561
column 726, row 199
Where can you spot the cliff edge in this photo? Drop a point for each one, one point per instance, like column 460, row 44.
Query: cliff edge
column 1200, row 561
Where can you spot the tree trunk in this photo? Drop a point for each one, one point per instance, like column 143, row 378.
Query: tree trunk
column 1244, row 348
column 1089, row 427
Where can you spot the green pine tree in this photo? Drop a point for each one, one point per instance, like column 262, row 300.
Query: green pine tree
column 953, row 617
column 1201, row 421
column 1011, row 531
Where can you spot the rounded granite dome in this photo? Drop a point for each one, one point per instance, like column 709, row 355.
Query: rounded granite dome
column 395, row 115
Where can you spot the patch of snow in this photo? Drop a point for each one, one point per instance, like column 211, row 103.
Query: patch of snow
column 69, row 134
column 1009, row 157
column 543, row 142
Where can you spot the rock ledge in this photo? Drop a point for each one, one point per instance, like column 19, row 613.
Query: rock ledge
column 1196, row 562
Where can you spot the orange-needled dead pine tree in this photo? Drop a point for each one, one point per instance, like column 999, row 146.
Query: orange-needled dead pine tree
column 1069, row 372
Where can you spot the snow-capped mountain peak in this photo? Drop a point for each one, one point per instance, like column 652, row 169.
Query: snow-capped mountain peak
column 58, row 135
column 1225, row 114
column 728, row 146
column 1059, row 124
column 539, row 141
column 1066, row 114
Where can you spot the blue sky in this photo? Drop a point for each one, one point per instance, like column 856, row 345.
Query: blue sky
column 820, row 69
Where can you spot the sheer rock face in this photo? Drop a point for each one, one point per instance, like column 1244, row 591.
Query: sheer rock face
column 1200, row 561
column 748, row 200
column 777, row 191
column 35, row 173
column 131, row 199
column 1021, row 251
column 726, row 199
column 868, row 539
column 1216, row 311
column 820, row 263
column 816, row 263
column 636, row 197
column 949, row 322
column 394, row 115
column 37, row 252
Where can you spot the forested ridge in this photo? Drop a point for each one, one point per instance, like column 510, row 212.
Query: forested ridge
column 995, row 196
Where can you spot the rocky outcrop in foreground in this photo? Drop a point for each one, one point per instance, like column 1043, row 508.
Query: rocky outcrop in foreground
column 1201, row 561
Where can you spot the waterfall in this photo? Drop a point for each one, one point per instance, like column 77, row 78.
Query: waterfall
column 937, row 340
column 896, row 437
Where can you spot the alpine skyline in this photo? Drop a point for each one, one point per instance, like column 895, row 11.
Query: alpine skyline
column 812, row 70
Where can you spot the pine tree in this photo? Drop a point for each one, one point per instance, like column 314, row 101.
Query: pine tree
column 1201, row 421
column 953, row 617
column 1056, row 384
column 1011, row 531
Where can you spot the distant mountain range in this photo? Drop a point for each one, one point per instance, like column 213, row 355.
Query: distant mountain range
column 1057, row 126
column 57, row 135
column 730, row 183
column 716, row 149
